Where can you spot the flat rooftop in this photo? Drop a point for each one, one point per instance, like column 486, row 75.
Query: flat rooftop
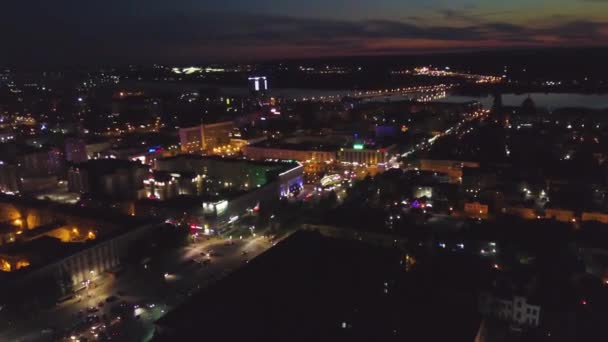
column 315, row 288
column 283, row 165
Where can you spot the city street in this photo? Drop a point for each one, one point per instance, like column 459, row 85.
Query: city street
column 148, row 291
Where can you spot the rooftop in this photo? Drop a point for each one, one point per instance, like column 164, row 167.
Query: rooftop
column 283, row 164
column 314, row 288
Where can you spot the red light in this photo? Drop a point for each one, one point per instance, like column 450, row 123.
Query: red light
column 584, row 302
column 193, row 226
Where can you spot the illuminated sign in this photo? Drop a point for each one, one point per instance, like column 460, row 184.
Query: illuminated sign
column 358, row 146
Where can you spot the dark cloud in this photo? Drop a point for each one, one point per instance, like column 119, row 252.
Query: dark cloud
column 176, row 36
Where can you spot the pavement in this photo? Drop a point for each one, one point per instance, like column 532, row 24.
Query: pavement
column 145, row 285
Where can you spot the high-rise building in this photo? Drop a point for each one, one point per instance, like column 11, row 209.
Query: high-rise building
column 217, row 134
column 191, row 139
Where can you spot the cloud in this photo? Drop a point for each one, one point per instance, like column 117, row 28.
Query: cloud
column 175, row 36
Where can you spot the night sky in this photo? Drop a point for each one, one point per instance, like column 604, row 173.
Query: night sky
column 34, row 32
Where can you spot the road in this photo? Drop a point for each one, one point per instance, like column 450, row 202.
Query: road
column 145, row 285
column 460, row 128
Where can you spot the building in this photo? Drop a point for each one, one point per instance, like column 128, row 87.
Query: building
column 231, row 173
column 523, row 212
column 562, row 215
column 96, row 146
column 476, row 210
column 205, row 138
column 362, row 154
column 238, row 144
column 213, row 190
column 115, row 178
column 164, row 185
column 299, row 152
column 216, row 135
column 75, row 150
column 61, row 246
column 42, row 162
column 191, row 139
column 516, row 310
column 258, row 84
column 595, row 216
column 321, row 271
column 452, row 168
column 9, row 181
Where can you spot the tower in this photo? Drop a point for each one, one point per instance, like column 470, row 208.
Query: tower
column 499, row 113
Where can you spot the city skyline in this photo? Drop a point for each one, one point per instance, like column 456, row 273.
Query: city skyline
column 64, row 33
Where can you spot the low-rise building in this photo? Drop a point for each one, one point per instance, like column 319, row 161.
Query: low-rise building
column 115, row 178
column 525, row 213
column 516, row 310
column 213, row 189
column 595, row 216
column 562, row 215
column 452, row 168
column 476, row 210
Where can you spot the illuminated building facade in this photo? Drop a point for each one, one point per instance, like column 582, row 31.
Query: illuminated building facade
column 205, row 138
column 476, row 210
column 191, row 139
column 362, row 155
column 223, row 173
column 66, row 245
column 216, row 187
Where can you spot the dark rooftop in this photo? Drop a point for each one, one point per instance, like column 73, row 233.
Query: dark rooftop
column 314, row 288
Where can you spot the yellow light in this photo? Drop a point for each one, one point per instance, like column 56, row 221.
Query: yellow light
column 5, row 266
column 18, row 222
